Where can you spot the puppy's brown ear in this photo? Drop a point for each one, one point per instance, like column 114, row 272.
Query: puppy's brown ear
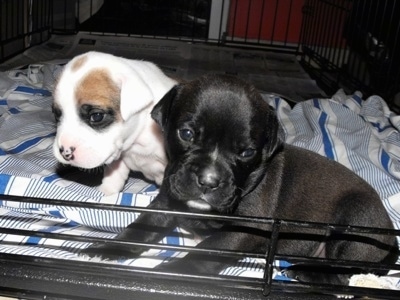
column 135, row 95
column 162, row 109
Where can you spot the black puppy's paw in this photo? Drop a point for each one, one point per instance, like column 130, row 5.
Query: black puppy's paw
column 299, row 276
column 318, row 274
column 191, row 266
column 106, row 251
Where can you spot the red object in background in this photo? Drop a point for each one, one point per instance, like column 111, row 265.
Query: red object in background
column 266, row 20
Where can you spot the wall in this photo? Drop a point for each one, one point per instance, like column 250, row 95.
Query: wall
column 270, row 20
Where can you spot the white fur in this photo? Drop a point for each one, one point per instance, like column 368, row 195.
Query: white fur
column 133, row 143
column 199, row 204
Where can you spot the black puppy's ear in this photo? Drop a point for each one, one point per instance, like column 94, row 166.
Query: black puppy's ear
column 162, row 109
column 274, row 132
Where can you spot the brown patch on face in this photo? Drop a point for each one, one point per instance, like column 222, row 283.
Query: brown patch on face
column 78, row 63
column 98, row 89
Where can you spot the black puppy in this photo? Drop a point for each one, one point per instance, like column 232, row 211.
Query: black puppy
column 225, row 157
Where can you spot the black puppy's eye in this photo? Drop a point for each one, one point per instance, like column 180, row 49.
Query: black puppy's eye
column 96, row 117
column 186, row 135
column 250, row 152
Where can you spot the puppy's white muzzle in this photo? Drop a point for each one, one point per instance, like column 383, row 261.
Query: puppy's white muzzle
column 199, row 204
column 83, row 148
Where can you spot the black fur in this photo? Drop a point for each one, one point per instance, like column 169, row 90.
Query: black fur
column 225, row 156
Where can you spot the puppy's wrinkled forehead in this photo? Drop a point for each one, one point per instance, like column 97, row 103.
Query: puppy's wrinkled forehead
column 84, row 82
column 221, row 104
column 97, row 88
column 87, row 93
column 225, row 112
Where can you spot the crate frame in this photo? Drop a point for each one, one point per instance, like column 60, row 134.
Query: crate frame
column 35, row 278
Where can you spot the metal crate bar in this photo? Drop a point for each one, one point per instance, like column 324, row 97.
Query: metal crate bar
column 353, row 45
column 58, row 276
column 23, row 24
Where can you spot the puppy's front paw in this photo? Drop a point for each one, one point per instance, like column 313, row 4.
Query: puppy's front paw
column 110, row 252
column 108, row 189
column 190, row 266
column 318, row 274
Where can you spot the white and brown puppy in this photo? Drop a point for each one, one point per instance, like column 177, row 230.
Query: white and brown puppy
column 102, row 105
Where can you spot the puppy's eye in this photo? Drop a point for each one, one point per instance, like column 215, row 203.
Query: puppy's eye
column 186, row 135
column 250, row 152
column 96, row 117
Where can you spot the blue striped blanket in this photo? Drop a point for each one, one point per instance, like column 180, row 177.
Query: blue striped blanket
column 361, row 134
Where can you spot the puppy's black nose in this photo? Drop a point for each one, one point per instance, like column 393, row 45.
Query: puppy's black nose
column 67, row 153
column 208, row 179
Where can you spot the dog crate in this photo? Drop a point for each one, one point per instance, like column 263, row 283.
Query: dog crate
column 353, row 44
column 340, row 43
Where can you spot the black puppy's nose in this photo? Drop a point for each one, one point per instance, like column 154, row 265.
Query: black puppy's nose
column 208, row 179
